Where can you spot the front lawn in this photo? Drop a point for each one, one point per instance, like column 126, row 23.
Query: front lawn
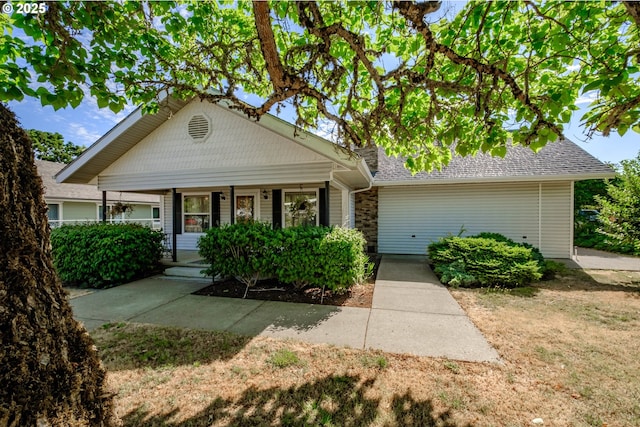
column 569, row 345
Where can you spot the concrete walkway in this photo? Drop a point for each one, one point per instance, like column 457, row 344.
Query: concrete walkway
column 592, row 259
column 412, row 313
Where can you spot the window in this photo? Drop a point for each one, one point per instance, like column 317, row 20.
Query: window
column 53, row 214
column 197, row 214
column 300, row 208
column 155, row 215
column 245, row 207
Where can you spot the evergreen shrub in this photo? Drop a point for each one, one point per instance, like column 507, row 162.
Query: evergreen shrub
column 105, row 255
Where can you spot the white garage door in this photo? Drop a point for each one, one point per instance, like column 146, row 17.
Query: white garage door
column 409, row 218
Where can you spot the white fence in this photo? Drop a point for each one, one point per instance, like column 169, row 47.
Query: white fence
column 147, row 222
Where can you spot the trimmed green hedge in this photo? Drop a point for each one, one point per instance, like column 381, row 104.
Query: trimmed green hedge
column 245, row 250
column 487, row 259
column 300, row 256
column 105, row 255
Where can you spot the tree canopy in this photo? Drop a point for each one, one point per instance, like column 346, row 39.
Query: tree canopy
column 390, row 73
column 51, row 146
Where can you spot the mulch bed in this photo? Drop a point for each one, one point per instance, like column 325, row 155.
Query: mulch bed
column 272, row 290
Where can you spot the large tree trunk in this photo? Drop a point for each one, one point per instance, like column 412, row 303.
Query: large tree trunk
column 50, row 373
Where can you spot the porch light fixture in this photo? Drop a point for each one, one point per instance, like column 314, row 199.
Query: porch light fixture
column 265, row 194
column 222, row 196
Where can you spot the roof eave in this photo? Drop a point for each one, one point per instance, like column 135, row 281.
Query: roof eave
column 501, row 179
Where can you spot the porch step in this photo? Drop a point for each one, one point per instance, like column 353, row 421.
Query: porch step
column 191, row 272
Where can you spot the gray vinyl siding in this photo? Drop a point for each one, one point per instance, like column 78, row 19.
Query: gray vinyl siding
column 352, row 210
column 266, row 207
column 410, row 218
column 198, row 178
column 557, row 219
column 335, row 207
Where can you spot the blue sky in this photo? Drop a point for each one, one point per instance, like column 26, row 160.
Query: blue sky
column 85, row 124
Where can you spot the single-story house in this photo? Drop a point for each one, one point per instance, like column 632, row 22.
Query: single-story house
column 80, row 203
column 211, row 165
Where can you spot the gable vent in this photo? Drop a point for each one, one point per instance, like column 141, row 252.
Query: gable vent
column 199, row 127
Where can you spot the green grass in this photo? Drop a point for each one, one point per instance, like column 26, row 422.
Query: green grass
column 374, row 360
column 284, row 358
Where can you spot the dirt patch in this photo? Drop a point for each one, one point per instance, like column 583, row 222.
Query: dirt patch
column 360, row 295
column 272, row 290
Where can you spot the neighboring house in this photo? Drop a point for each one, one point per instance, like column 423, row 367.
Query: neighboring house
column 211, row 165
column 80, row 203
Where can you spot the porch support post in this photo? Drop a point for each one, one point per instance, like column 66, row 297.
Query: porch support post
column 326, row 203
column 104, row 206
column 232, row 202
column 174, row 231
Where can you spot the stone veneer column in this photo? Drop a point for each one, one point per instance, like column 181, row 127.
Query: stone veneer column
column 367, row 201
column 367, row 217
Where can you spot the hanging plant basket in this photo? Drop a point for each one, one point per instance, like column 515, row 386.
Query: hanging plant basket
column 121, row 208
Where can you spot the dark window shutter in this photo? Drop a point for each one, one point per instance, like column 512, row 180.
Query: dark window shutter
column 177, row 212
column 276, row 199
column 215, row 209
column 324, row 217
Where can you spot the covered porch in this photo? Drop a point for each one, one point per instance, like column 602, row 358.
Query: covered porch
column 187, row 213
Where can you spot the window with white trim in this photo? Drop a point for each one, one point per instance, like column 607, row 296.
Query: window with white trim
column 300, row 208
column 196, row 213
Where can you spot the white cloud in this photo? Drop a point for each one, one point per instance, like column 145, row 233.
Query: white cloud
column 327, row 129
column 80, row 135
column 587, row 98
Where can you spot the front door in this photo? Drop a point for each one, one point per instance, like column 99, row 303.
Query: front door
column 245, row 207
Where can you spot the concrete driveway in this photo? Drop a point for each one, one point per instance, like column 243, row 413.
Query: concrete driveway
column 412, row 313
column 592, row 259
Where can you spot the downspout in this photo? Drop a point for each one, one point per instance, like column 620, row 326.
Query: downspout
column 344, row 201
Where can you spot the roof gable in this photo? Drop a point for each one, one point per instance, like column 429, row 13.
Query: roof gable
column 161, row 142
column 561, row 160
column 232, row 141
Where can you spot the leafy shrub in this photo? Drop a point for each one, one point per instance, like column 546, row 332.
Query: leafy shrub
column 300, row 256
column 455, row 274
column 322, row 257
column 586, row 234
column 299, row 263
column 245, row 250
column 620, row 213
column 592, row 235
column 105, row 255
column 487, row 259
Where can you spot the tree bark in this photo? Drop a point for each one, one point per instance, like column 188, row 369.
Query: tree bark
column 50, row 373
column 633, row 8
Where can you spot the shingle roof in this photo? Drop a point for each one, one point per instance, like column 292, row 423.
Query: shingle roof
column 53, row 190
column 559, row 160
